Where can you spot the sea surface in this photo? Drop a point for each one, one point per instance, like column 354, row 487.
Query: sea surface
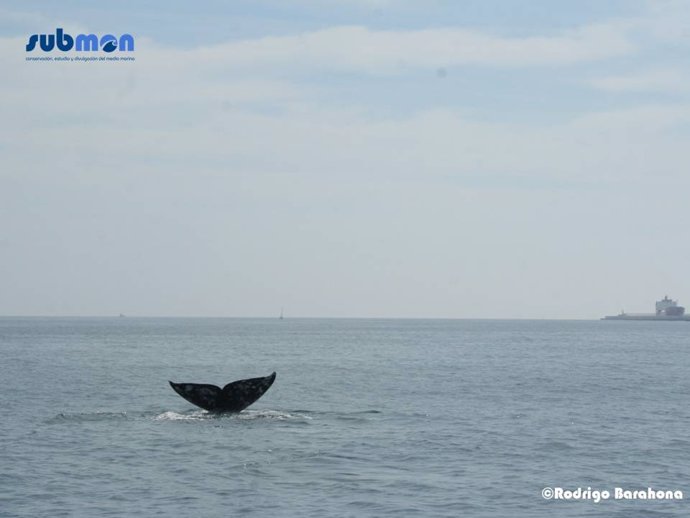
column 397, row 418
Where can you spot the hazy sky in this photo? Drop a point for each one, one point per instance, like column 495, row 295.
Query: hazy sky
column 374, row 158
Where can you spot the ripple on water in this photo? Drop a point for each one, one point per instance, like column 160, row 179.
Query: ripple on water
column 86, row 417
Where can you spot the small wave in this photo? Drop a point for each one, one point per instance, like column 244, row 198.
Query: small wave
column 84, row 417
column 352, row 414
column 199, row 415
column 361, row 416
column 271, row 414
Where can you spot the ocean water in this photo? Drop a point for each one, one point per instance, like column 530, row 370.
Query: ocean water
column 366, row 417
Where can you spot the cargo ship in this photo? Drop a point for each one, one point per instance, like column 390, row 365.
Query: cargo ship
column 666, row 309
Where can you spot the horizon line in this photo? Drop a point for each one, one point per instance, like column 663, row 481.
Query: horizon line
column 122, row 316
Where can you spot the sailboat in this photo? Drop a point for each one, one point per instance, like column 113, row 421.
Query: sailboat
column 281, row 314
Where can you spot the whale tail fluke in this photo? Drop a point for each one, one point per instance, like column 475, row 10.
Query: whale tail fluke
column 233, row 397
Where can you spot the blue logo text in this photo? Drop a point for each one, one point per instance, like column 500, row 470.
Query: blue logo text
column 80, row 43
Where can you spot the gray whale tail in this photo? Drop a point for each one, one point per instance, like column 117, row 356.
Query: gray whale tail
column 233, row 397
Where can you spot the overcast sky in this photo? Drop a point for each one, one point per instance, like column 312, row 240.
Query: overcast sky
column 362, row 158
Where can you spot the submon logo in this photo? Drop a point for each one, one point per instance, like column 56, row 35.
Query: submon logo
column 80, row 43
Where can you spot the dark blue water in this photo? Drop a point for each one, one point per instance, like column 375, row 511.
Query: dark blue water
column 366, row 417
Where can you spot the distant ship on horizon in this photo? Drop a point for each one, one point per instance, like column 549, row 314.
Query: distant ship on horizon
column 666, row 309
